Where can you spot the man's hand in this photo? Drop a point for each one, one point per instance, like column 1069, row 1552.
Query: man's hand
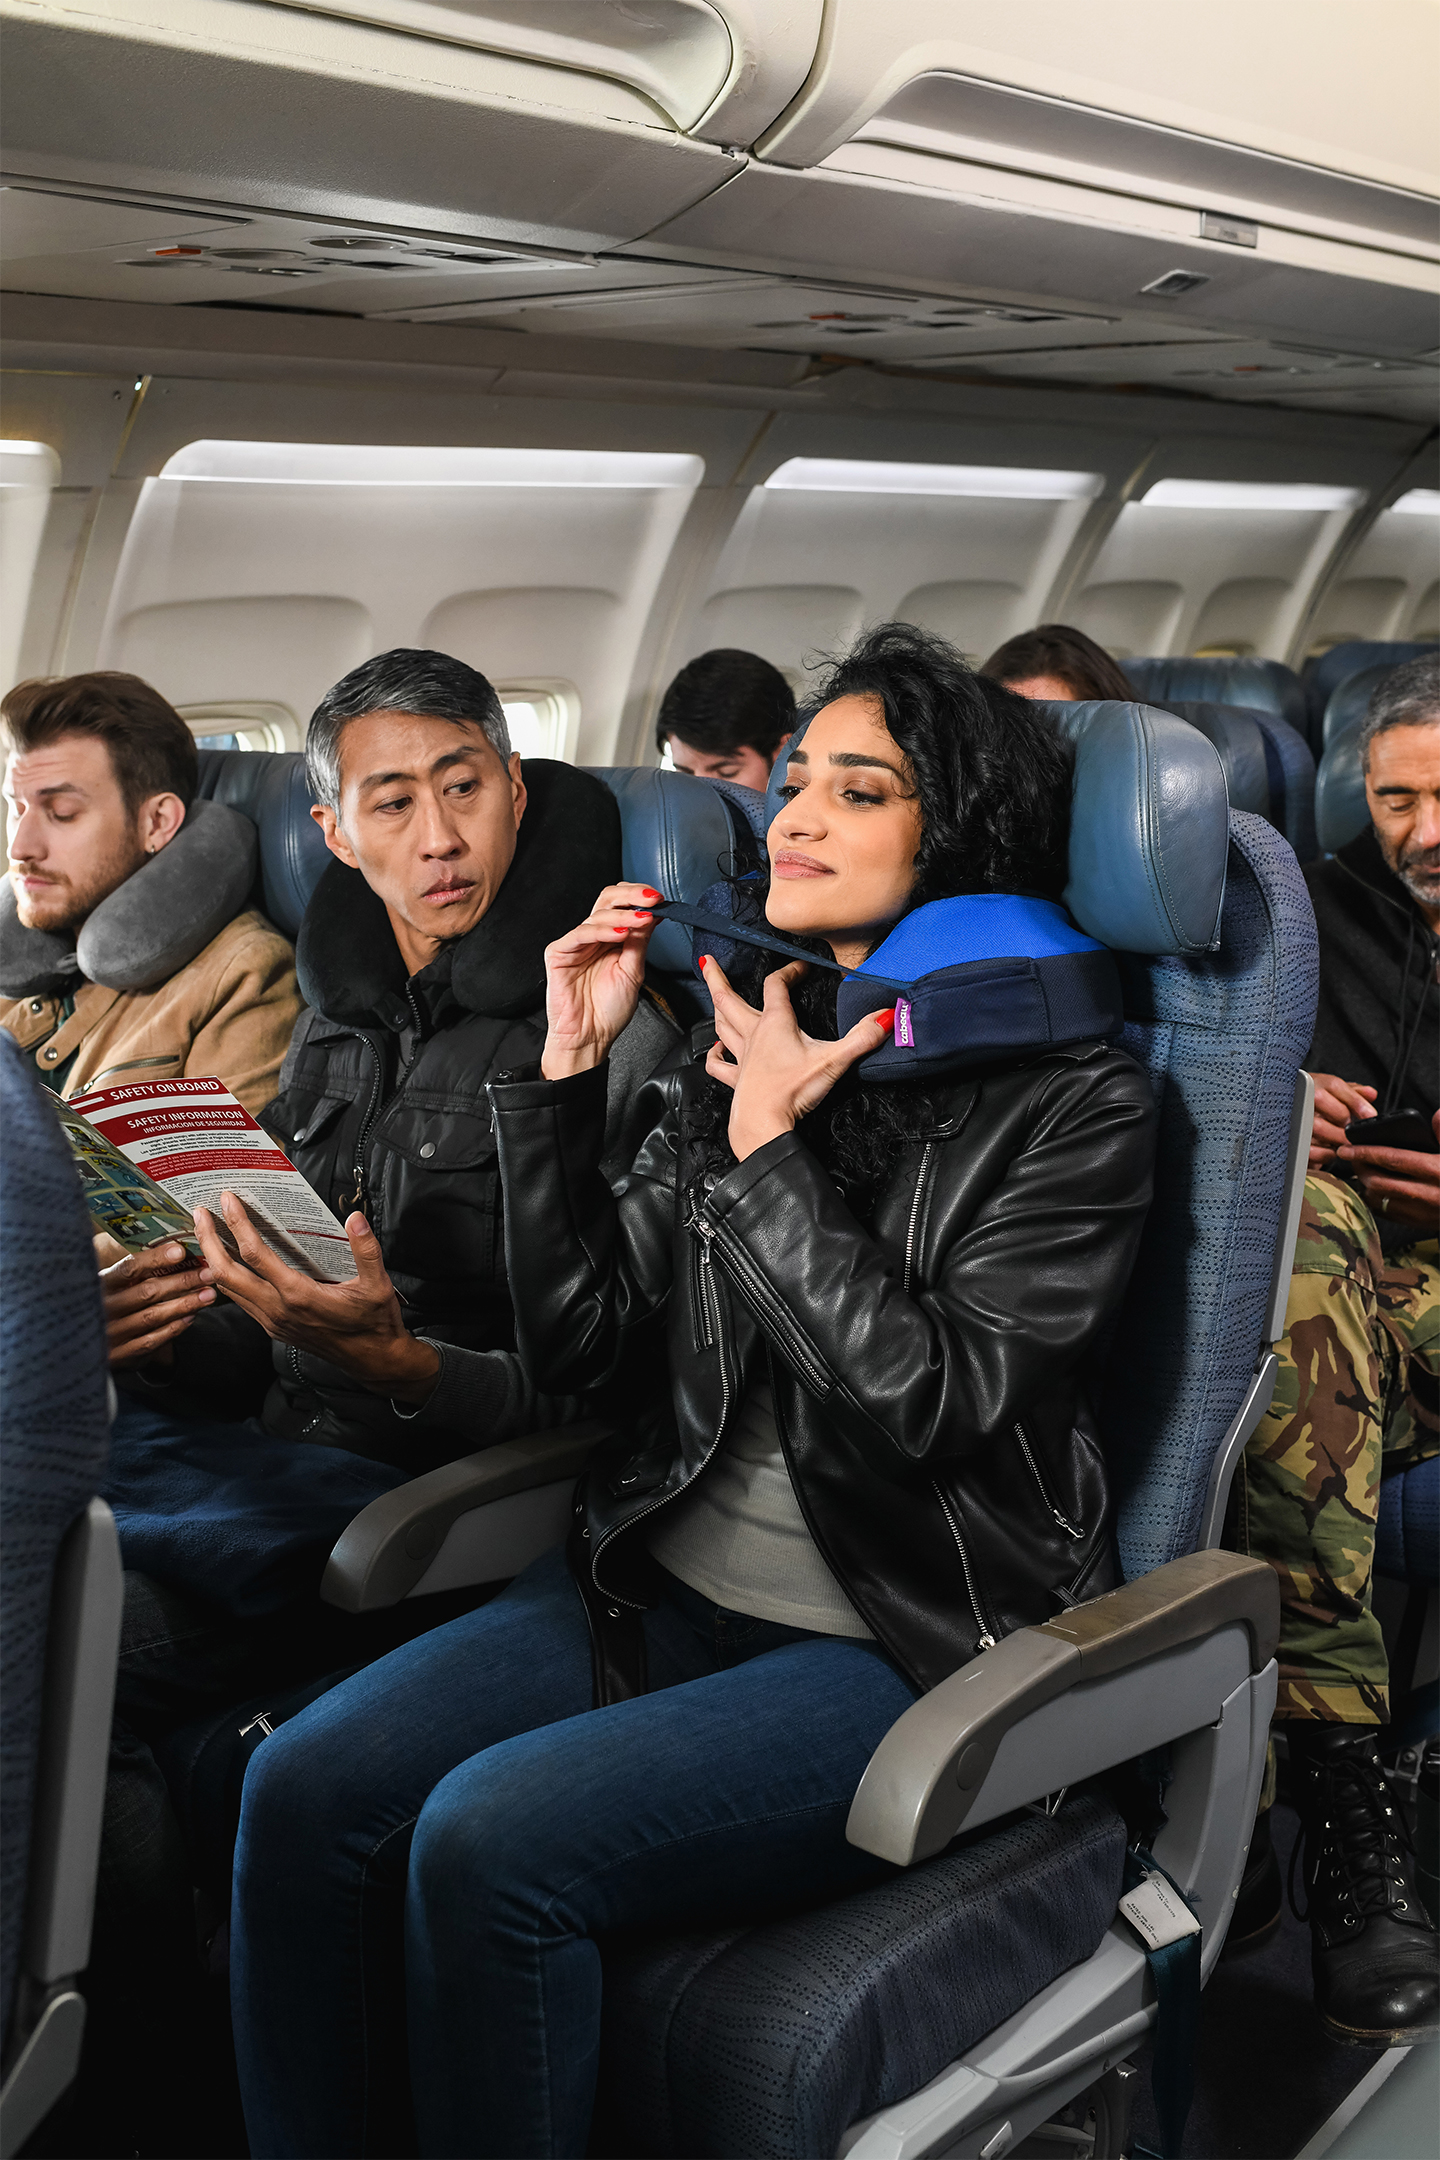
column 1401, row 1184
column 779, row 1073
column 355, row 1325
column 150, row 1298
column 1335, row 1102
column 593, row 978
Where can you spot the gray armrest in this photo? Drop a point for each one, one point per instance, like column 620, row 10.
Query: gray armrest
column 1196, row 1626
column 383, row 1554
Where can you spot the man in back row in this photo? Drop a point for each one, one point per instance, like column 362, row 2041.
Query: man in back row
column 100, row 781
column 726, row 716
column 1356, row 1398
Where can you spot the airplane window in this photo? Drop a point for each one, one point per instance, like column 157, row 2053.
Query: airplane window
column 543, row 718
column 249, row 725
column 867, row 476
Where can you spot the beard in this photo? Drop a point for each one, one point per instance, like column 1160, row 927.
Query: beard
column 62, row 904
column 1418, row 869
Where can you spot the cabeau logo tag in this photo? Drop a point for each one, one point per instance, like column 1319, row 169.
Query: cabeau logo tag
column 904, row 1024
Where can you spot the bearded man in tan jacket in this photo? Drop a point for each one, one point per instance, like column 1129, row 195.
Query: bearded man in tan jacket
column 128, row 967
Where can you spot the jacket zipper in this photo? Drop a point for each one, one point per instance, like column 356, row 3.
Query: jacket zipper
column 763, row 1299
column 711, row 1337
column 914, row 1223
column 972, row 1587
column 357, row 1197
column 1043, row 1486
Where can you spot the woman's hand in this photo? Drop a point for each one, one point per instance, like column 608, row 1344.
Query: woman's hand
column 1335, row 1102
column 150, row 1298
column 779, row 1073
column 356, row 1325
column 593, row 978
column 1401, row 1184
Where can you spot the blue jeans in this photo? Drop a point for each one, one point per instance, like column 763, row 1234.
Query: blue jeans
column 431, row 1850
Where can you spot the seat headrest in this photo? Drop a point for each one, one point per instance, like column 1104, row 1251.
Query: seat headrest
column 1341, row 811
column 1262, row 685
column 1240, row 740
column 151, row 926
column 1349, row 701
column 270, row 787
column 679, row 834
column 1149, row 829
column 1322, row 677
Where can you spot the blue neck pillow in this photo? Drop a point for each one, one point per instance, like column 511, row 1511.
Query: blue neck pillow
column 977, row 980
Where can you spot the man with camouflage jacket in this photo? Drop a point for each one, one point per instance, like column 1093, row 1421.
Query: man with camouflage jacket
column 1356, row 1399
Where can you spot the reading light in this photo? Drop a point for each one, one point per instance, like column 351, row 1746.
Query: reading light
column 1248, row 495
column 865, row 476
column 1419, row 502
column 394, row 465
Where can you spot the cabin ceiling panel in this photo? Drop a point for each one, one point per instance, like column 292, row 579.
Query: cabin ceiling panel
column 889, row 229
column 218, row 99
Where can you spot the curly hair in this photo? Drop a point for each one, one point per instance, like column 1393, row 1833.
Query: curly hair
column 993, row 777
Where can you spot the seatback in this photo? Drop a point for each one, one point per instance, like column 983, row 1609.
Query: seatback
column 1322, row 677
column 1258, row 685
column 1349, row 702
column 1341, row 811
column 676, row 831
column 54, row 1434
column 1288, row 798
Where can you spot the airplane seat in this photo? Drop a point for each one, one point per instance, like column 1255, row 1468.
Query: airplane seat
column 1287, row 798
column 60, row 1601
column 1349, row 701
column 1341, row 811
column 958, row 2003
column 271, row 789
column 1257, row 685
column 1321, row 677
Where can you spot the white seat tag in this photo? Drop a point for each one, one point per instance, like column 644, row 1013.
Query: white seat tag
column 1157, row 1914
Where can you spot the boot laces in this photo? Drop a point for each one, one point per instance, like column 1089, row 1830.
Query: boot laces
column 1354, row 1831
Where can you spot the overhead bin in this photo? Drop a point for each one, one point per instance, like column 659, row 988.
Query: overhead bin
column 1287, row 82
column 240, row 103
column 721, row 69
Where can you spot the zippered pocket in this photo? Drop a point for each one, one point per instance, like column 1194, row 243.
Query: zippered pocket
column 777, row 1321
column 983, row 1618
column 1043, row 1486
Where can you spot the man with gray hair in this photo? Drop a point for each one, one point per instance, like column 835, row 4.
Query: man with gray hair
column 1356, row 1398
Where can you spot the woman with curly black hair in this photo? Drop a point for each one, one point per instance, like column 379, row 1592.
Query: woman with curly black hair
column 841, row 1312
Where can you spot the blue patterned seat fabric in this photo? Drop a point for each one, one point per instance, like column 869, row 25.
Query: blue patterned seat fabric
column 769, row 2042
column 1408, row 1545
column 1222, row 1038
column 54, row 1431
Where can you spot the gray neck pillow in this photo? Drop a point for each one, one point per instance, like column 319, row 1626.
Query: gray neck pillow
column 151, row 926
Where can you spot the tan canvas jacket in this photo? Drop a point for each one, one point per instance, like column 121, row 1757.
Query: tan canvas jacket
column 227, row 1016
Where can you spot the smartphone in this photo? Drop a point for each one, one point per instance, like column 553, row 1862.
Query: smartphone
column 1397, row 1128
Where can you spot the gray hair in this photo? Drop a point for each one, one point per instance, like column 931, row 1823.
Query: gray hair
column 430, row 685
column 1408, row 696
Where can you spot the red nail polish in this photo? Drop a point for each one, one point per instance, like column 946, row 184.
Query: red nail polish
column 650, row 892
column 885, row 1018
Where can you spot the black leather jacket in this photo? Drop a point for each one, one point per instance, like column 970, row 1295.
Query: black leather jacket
column 928, row 1365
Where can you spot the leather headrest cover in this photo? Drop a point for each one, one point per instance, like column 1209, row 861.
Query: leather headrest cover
column 1349, row 701
column 678, row 835
column 151, row 926
column 272, row 789
column 1149, row 829
column 1240, row 740
column 1341, row 811
column 567, row 850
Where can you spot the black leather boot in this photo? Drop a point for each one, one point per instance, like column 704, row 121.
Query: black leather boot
column 1376, row 1958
